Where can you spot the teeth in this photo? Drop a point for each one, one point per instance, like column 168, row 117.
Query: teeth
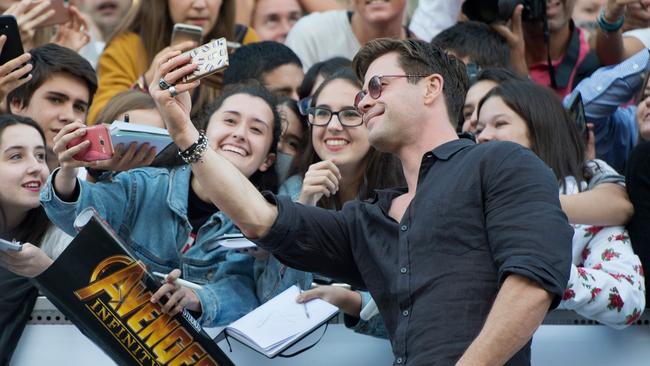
column 336, row 142
column 32, row 185
column 235, row 149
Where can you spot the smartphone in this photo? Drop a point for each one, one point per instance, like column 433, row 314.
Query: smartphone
column 101, row 147
column 577, row 111
column 186, row 32
column 6, row 245
column 211, row 57
column 61, row 12
column 13, row 45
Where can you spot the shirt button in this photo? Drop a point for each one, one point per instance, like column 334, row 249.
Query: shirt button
column 599, row 88
column 403, row 270
column 404, row 228
column 635, row 66
column 398, row 360
column 405, row 313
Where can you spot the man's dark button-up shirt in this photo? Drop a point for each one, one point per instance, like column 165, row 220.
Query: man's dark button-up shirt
column 480, row 212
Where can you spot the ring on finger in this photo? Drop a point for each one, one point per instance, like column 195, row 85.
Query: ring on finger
column 172, row 91
column 164, row 85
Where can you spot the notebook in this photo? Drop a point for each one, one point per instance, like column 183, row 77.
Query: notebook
column 127, row 133
column 280, row 322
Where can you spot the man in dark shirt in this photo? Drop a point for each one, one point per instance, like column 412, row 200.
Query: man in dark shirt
column 464, row 262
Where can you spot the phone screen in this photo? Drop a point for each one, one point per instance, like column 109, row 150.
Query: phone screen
column 186, row 32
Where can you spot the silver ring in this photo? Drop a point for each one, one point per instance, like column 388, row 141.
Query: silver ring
column 172, row 91
column 163, row 84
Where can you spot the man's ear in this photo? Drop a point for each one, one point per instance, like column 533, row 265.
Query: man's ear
column 268, row 162
column 434, row 84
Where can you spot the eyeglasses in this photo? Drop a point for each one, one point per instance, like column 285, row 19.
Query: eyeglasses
column 374, row 87
column 320, row 116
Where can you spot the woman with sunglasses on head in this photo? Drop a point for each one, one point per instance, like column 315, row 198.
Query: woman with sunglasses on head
column 606, row 282
column 24, row 171
column 137, row 45
column 339, row 166
column 164, row 215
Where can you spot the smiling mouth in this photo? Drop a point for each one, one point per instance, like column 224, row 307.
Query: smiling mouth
column 368, row 2
column 336, row 142
column 235, row 149
column 32, row 186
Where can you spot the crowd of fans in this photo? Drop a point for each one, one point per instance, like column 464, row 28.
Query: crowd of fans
column 570, row 84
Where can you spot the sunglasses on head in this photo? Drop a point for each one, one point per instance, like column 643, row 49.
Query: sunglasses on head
column 374, row 87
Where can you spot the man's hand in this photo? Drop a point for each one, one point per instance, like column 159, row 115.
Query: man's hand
column 514, row 35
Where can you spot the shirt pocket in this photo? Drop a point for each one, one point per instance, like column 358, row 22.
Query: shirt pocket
column 454, row 224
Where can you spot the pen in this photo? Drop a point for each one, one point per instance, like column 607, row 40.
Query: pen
column 304, row 304
column 179, row 281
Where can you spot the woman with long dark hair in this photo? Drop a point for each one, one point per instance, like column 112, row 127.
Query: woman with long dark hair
column 24, row 171
column 606, row 281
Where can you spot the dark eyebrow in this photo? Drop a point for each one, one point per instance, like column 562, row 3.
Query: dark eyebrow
column 20, row 147
column 239, row 115
column 66, row 97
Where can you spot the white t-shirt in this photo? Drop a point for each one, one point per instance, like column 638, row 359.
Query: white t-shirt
column 642, row 35
column 433, row 16
column 321, row 36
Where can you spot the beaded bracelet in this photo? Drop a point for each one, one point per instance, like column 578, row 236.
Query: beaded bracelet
column 607, row 26
column 194, row 153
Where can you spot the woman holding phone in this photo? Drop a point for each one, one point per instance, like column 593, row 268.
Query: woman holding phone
column 135, row 50
column 180, row 227
column 24, row 171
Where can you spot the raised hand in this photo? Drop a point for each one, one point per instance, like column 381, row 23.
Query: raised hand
column 321, row 179
column 12, row 74
column 178, row 297
column 74, row 33
column 162, row 57
column 29, row 19
column 175, row 110
column 514, row 35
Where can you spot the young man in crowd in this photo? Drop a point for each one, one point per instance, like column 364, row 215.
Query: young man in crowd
column 475, row 43
column 273, row 19
column 60, row 91
column 464, row 263
column 321, row 36
column 273, row 64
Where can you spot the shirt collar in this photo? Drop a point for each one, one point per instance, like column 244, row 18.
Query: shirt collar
column 448, row 149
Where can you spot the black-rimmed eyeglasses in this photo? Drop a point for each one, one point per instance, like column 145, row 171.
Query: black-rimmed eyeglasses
column 321, row 116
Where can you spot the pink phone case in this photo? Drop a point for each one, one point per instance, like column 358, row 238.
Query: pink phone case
column 101, row 147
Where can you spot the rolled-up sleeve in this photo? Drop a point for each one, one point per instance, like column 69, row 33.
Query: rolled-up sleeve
column 528, row 233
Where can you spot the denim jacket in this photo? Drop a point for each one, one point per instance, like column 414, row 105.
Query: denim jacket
column 147, row 208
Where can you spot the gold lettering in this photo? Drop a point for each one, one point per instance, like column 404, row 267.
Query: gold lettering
column 154, row 325
column 116, row 285
column 189, row 356
column 136, row 298
column 172, row 345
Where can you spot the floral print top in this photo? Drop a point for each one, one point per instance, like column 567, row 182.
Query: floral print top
column 607, row 280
